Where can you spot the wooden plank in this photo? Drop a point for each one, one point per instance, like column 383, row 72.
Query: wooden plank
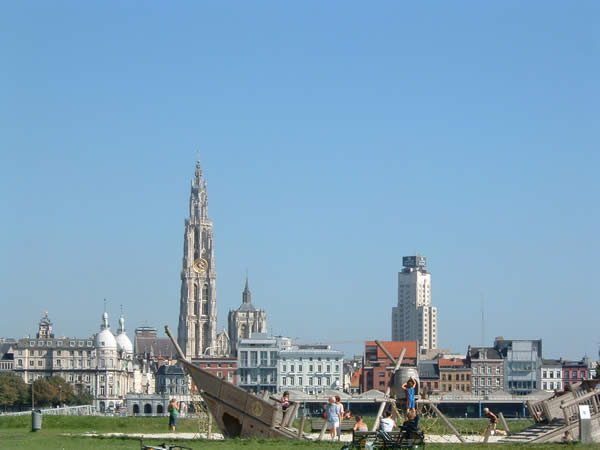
column 504, row 424
column 447, row 422
column 387, row 390
column 301, row 427
column 323, row 428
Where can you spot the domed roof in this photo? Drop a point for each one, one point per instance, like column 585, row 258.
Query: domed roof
column 124, row 343
column 105, row 339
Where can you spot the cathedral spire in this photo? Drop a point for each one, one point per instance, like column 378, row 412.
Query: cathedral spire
column 246, row 295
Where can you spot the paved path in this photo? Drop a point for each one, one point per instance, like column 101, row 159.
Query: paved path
column 430, row 438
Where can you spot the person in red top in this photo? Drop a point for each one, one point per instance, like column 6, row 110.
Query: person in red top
column 285, row 400
column 493, row 420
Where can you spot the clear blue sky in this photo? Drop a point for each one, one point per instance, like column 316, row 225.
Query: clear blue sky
column 336, row 137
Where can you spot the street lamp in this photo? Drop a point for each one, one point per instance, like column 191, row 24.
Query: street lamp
column 59, row 395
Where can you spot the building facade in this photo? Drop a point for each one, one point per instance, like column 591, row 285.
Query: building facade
column 222, row 366
column 551, row 376
column 101, row 365
column 197, row 328
column 455, row 376
column 522, row 364
column 310, row 368
column 245, row 321
column 574, row 371
column 377, row 366
column 488, row 370
column 257, row 362
column 414, row 318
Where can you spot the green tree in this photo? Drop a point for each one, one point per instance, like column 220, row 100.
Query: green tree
column 597, row 377
column 82, row 396
column 13, row 390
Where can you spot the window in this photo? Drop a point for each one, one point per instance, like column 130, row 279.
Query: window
column 291, row 368
column 20, row 362
column 382, row 374
column 89, row 343
column 72, row 343
column 319, row 368
column 263, row 359
column 80, row 343
column 291, row 381
column 337, row 367
column 551, row 374
column 32, row 343
column 253, row 359
column 40, row 363
column 299, row 381
column 283, row 381
column 31, row 362
column 284, row 368
column 497, row 370
column 310, row 368
column 49, row 344
column 244, row 359
column 310, row 381
column 300, row 368
column 545, row 386
column 40, row 343
column 220, row 374
column 544, row 375
column 328, row 367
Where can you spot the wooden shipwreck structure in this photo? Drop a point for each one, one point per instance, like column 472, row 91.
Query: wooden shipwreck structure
column 238, row 413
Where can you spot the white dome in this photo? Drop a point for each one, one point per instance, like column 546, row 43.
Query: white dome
column 124, row 343
column 105, row 339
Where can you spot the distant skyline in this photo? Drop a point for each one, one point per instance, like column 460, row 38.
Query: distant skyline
column 335, row 138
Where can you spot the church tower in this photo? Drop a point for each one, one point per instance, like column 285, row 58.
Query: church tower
column 245, row 321
column 198, row 307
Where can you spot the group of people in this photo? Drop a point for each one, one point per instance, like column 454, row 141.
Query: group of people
column 335, row 414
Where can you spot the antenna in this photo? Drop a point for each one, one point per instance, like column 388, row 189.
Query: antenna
column 482, row 321
column 105, row 305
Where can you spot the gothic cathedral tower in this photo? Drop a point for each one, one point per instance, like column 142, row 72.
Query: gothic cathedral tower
column 198, row 307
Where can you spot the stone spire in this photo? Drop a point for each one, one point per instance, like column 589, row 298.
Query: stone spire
column 198, row 308
column 246, row 295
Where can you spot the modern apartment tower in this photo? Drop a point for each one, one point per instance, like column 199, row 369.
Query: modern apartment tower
column 415, row 319
column 197, row 330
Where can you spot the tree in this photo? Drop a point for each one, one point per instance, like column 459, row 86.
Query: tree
column 13, row 390
column 597, row 377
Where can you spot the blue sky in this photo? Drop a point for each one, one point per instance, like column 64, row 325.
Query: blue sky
column 336, row 137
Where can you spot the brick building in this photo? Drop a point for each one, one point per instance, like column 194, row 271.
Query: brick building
column 377, row 366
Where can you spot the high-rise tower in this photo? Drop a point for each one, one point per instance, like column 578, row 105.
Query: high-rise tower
column 415, row 319
column 198, row 307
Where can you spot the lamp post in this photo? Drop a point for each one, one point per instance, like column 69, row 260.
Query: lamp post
column 59, row 395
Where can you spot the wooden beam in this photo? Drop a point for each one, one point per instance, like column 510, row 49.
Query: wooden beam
column 384, row 350
column 301, row 427
column 387, row 391
column 504, row 424
column 323, row 428
column 447, row 422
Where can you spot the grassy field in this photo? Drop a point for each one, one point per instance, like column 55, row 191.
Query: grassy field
column 15, row 434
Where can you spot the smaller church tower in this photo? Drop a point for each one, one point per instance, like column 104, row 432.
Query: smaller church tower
column 245, row 321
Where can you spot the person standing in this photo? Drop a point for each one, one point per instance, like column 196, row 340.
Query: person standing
column 333, row 417
column 173, row 413
column 338, row 401
column 410, row 387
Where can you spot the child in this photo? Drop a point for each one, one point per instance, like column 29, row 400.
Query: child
column 410, row 387
column 387, row 423
column 285, row 400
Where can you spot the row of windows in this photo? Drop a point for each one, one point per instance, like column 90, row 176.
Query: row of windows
column 58, row 353
column 458, row 387
column 551, row 385
column 80, row 363
column 485, row 381
column 311, row 368
column 60, row 343
column 312, row 381
column 551, row 374
column 483, row 370
column 457, row 377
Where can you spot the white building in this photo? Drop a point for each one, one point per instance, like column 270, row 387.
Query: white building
column 551, row 375
column 415, row 319
column 310, row 368
column 101, row 365
column 257, row 361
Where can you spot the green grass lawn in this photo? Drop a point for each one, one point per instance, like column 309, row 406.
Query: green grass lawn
column 15, row 434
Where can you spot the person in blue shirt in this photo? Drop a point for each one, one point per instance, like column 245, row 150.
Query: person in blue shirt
column 332, row 410
column 410, row 387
